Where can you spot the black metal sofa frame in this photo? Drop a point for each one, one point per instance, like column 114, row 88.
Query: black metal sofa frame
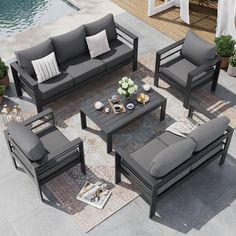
column 24, row 81
column 150, row 185
column 60, row 160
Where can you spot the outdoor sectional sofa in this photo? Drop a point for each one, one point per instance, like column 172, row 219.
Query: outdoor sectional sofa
column 169, row 159
column 74, row 60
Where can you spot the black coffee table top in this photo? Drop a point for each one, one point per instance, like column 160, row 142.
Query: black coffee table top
column 111, row 122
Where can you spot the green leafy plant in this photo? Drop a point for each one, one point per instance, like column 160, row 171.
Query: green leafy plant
column 232, row 60
column 225, row 45
column 3, row 69
column 2, row 90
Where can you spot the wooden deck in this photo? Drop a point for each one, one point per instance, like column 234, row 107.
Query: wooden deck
column 203, row 19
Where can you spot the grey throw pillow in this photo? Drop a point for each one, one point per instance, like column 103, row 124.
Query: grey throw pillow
column 208, row 132
column 197, row 50
column 171, row 157
column 27, row 141
column 24, row 57
column 105, row 23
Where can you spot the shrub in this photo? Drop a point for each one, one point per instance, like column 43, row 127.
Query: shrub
column 2, row 90
column 232, row 60
column 225, row 45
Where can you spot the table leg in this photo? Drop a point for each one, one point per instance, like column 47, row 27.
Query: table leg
column 163, row 111
column 83, row 120
column 109, row 143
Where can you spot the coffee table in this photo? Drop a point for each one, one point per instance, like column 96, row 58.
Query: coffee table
column 110, row 122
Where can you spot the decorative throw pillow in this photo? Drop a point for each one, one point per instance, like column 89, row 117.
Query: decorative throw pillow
column 98, row 44
column 46, row 68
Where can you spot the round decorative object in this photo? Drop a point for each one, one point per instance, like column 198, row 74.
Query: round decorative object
column 130, row 106
column 143, row 98
column 115, row 99
column 146, row 87
column 98, row 105
column 117, row 107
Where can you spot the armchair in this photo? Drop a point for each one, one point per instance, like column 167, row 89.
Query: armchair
column 41, row 149
column 188, row 65
column 168, row 159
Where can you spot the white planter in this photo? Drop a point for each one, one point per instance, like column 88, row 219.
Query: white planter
column 231, row 71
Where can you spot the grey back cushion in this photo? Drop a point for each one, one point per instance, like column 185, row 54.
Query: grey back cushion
column 70, row 45
column 107, row 23
column 197, row 50
column 24, row 57
column 171, row 157
column 27, row 141
column 208, row 132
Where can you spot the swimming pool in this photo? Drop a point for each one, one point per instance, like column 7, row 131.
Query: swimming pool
column 21, row 15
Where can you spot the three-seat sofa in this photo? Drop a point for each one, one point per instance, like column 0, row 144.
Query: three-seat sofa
column 74, row 61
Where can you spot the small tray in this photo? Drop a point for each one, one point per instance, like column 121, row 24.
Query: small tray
column 112, row 106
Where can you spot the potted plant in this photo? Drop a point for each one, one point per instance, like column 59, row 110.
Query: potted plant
column 2, row 92
column 232, row 65
column 225, row 48
column 4, row 79
column 127, row 87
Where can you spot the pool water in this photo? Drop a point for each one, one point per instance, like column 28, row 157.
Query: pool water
column 21, row 15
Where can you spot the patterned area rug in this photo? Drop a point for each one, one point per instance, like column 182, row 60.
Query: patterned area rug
column 100, row 165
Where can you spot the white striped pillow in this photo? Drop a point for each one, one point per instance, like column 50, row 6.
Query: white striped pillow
column 46, row 68
column 98, row 44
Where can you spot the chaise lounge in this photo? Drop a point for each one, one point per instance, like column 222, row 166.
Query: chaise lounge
column 169, row 159
column 74, row 62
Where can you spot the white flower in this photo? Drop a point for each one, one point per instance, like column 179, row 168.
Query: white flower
column 136, row 87
column 120, row 91
column 131, row 90
column 130, row 82
column 120, row 82
column 124, row 79
column 125, row 85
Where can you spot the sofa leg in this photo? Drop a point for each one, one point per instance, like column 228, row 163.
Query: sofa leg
column 135, row 65
column 82, row 161
column 39, row 191
column 186, row 100
column 16, row 82
column 153, row 202
column 156, row 81
column 222, row 160
column 214, row 85
column 117, row 168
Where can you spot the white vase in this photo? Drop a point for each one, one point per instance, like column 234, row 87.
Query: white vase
column 231, row 70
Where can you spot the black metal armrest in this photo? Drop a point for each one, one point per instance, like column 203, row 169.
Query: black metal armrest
column 136, row 168
column 204, row 67
column 39, row 116
column 169, row 48
column 125, row 31
column 24, row 75
column 62, row 151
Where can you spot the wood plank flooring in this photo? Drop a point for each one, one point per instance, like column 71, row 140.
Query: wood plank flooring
column 203, row 19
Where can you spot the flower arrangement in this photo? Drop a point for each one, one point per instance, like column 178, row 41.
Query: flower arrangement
column 127, row 87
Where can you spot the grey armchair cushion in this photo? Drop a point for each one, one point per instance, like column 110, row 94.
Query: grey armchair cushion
column 208, row 132
column 83, row 68
column 24, row 57
column 146, row 154
column 56, row 85
column 171, row 157
column 107, row 23
column 197, row 50
column 178, row 69
column 119, row 53
column 70, row 45
column 169, row 138
column 27, row 141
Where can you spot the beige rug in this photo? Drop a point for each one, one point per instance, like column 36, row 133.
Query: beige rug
column 100, row 165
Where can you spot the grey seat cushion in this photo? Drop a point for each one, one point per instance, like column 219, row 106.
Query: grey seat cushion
column 178, row 69
column 146, row 154
column 55, row 85
column 27, row 141
column 169, row 138
column 70, row 45
column 171, row 157
column 119, row 53
column 83, row 68
column 208, row 132
column 24, row 57
column 197, row 50
column 107, row 22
